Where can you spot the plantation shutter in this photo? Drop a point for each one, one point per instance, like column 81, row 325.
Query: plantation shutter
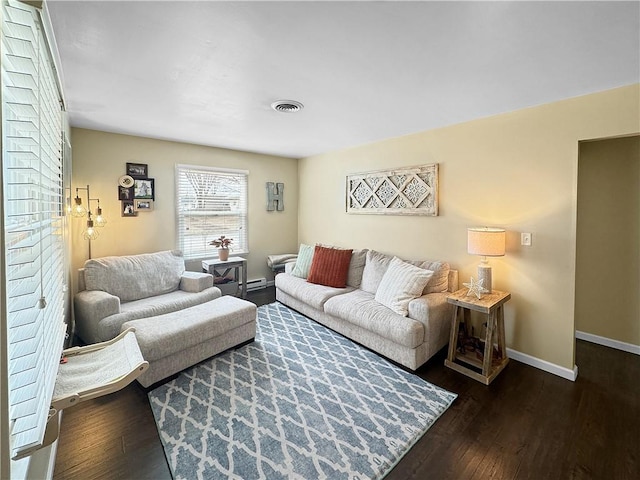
column 33, row 223
column 210, row 202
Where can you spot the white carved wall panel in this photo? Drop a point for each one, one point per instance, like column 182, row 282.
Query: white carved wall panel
column 402, row 191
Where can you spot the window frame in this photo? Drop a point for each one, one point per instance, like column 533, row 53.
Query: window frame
column 240, row 246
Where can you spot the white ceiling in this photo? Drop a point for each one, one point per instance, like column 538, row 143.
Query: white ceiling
column 207, row 72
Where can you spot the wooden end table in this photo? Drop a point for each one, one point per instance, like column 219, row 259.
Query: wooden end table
column 221, row 268
column 485, row 368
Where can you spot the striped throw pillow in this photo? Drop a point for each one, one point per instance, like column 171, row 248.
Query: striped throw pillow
column 330, row 266
column 303, row 262
column 401, row 283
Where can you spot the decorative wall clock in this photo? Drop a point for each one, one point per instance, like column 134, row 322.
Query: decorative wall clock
column 126, row 181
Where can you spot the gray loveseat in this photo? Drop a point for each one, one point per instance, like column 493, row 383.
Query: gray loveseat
column 354, row 311
column 179, row 317
column 114, row 290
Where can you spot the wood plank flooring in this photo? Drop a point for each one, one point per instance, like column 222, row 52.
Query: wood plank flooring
column 527, row 424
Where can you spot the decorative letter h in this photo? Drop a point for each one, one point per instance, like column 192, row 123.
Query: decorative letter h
column 275, row 196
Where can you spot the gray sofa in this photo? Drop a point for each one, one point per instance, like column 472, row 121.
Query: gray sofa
column 179, row 317
column 354, row 311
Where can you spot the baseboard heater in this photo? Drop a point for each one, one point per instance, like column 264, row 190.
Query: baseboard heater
column 256, row 284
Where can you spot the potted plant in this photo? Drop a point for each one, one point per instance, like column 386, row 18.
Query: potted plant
column 223, row 246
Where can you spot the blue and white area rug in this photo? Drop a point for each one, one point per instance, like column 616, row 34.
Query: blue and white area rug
column 301, row 402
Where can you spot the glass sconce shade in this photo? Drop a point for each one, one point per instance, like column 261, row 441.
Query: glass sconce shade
column 78, row 209
column 100, row 221
column 91, row 233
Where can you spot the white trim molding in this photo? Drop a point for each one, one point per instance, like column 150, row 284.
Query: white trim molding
column 544, row 365
column 608, row 342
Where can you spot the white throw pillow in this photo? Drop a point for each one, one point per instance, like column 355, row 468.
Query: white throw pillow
column 401, row 283
column 303, row 262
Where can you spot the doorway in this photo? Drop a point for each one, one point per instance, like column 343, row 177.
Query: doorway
column 607, row 304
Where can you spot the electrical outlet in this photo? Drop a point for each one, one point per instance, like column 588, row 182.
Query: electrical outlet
column 525, row 239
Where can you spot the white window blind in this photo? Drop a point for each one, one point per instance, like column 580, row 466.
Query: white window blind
column 33, row 224
column 210, row 202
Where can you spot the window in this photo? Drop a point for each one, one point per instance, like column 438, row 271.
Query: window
column 33, row 225
column 210, row 202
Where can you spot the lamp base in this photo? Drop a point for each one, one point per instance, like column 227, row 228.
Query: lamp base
column 484, row 273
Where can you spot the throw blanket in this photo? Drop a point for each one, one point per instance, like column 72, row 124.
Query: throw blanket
column 276, row 260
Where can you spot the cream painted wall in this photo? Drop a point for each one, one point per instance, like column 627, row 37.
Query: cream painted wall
column 608, row 239
column 99, row 159
column 518, row 171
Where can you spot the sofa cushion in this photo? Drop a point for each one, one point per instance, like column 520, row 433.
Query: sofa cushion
column 330, row 266
column 360, row 308
column 303, row 262
column 169, row 334
column 401, row 283
column 377, row 263
column 310, row 293
column 356, row 267
column 440, row 280
column 135, row 276
column 110, row 326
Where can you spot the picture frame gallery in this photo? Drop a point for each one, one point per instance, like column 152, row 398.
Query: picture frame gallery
column 136, row 191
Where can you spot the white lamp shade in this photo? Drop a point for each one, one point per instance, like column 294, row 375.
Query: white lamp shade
column 489, row 242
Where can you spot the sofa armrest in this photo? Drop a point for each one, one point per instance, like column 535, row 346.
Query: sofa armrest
column 288, row 267
column 434, row 312
column 195, row 282
column 90, row 307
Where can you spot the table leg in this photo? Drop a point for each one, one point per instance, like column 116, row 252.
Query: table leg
column 488, row 344
column 453, row 337
column 502, row 343
column 244, row 280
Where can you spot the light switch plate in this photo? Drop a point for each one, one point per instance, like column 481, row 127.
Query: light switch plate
column 525, row 239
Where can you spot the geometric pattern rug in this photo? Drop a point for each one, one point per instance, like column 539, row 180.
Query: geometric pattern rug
column 300, row 402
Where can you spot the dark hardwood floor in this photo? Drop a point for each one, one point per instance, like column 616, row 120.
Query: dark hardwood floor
column 527, row 424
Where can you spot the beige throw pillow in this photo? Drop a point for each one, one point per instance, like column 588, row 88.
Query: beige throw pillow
column 356, row 267
column 401, row 283
column 375, row 267
column 440, row 280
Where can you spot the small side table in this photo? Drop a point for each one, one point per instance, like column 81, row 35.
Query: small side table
column 491, row 304
column 221, row 268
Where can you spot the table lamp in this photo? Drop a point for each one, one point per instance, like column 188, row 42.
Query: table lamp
column 488, row 242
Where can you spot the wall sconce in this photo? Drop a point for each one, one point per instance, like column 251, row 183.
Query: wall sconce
column 100, row 220
column 91, row 233
column 78, row 210
column 488, row 242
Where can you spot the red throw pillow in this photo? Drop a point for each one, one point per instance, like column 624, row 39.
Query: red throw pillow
column 330, row 267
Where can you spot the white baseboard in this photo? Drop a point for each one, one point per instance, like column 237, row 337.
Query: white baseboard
column 271, row 283
column 566, row 372
column 544, row 365
column 608, row 342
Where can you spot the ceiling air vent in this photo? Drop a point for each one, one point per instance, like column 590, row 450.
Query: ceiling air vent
column 287, row 106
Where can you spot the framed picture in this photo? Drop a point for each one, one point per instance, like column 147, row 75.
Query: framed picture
column 125, row 193
column 144, row 188
column 128, row 210
column 138, row 170
column 143, row 205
